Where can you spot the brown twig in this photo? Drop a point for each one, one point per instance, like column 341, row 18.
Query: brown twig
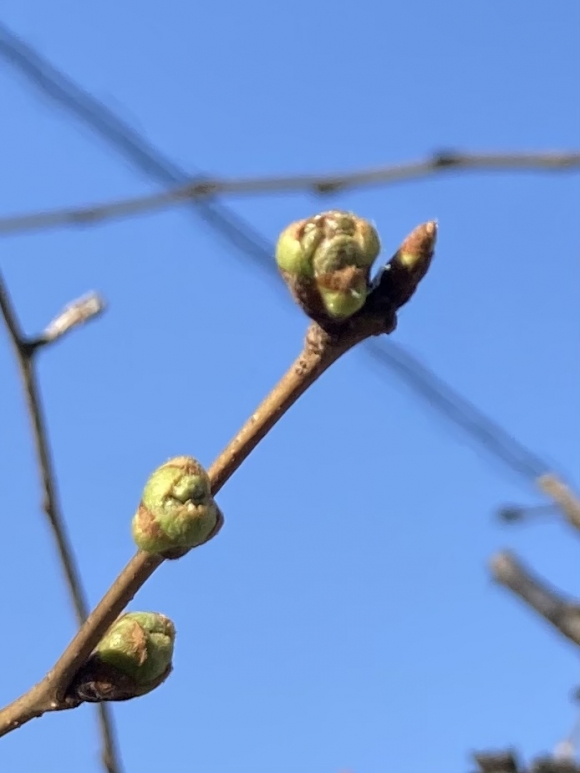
column 435, row 165
column 320, row 351
column 25, row 351
column 551, row 605
column 323, row 346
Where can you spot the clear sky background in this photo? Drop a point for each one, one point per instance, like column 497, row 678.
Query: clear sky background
column 344, row 618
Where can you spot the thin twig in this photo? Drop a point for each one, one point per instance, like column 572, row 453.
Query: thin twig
column 50, row 503
column 520, row 513
column 320, row 351
column 435, row 165
column 551, row 605
column 322, row 348
column 25, row 351
column 563, row 496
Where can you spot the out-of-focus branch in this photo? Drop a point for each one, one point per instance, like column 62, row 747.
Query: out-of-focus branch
column 439, row 163
column 554, row 765
column 519, row 513
column 25, row 350
column 496, row 762
column 552, row 606
column 72, row 316
column 506, row 762
column 564, row 500
column 562, row 495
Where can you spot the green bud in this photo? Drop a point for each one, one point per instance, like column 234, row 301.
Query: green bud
column 343, row 292
column 326, row 260
column 294, row 251
column 177, row 511
column 133, row 658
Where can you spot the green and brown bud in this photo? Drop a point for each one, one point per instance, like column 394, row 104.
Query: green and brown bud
column 415, row 253
column 133, row 658
column 325, row 261
column 398, row 279
column 177, row 511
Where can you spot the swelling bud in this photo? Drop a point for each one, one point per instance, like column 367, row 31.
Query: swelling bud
column 325, row 260
column 133, row 658
column 396, row 282
column 177, row 511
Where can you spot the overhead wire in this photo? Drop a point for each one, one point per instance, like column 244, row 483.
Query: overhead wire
column 145, row 157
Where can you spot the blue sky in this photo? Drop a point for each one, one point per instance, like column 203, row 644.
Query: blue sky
column 344, row 619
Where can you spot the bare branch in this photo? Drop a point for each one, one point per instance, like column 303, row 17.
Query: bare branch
column 563, row 496
column 554, row 765
column 435, row 165
column 24, row 351
column 50, row 503
column 562, row 614
column 320, row 351
column 496, row 762
column 506, row 762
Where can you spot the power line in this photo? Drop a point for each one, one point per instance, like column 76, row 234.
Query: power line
column 148, row 159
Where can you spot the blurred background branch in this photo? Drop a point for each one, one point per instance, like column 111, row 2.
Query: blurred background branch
column 25, row 350
column 208, row 188
column 507, row 762
column 435, row 393
column 563, row 497
column 563, row 615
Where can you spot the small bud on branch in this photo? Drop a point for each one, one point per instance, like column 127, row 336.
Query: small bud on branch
column 325, row 261
column 177, row 511
column 76, row 313
column 133, row 658
column 397, row 281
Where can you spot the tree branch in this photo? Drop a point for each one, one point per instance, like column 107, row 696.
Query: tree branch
column 320, row 351
column 496, row 762
column 559, row 612
column 506, row 762
column 25, row 351
column 563, row 496
column 439, row 163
